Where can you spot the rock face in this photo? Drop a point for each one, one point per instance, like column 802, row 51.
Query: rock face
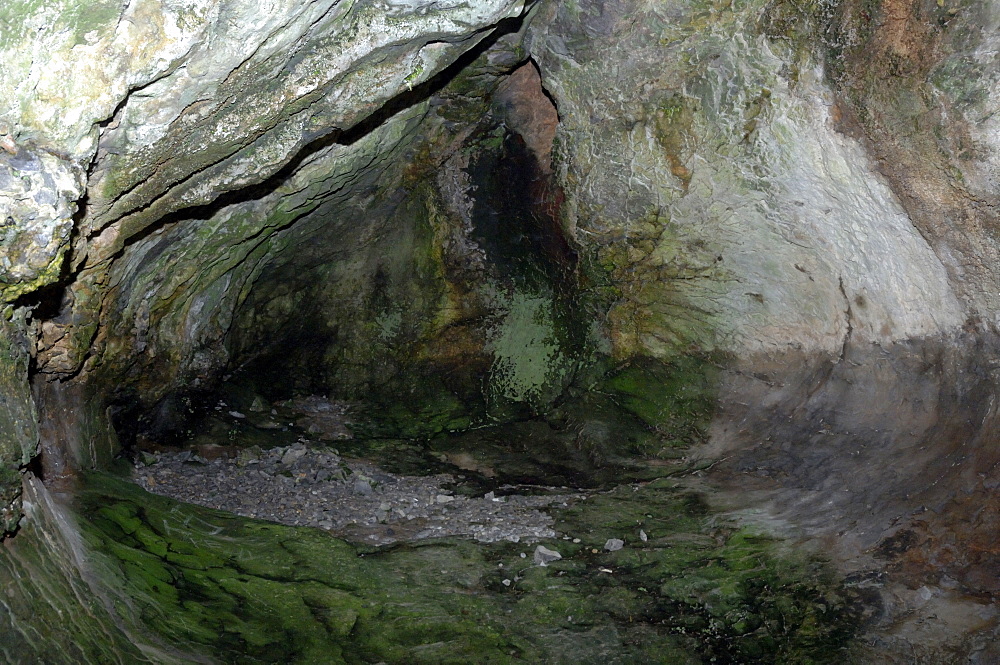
column 715, row 187
column 38, row 194
column 18, row 421
column 167, row 107
column 572, row 212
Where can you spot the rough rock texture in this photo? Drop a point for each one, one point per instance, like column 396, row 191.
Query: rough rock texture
column 18, row 426
column 225, row 98
column 704, row 173
column 461, row 216
column 159, row 107
column 38, row 193
column 239, row 106
column 917, row 82
column 51, row 612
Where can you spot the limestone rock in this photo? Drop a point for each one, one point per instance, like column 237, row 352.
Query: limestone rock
column 721, row 199
column 38, row 194
column 614, row 544
column 544, row 556
column 18, row 420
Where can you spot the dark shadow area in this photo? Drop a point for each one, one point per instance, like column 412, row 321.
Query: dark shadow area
column 511, row 222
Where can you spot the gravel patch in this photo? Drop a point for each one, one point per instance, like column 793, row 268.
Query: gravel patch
column 302, row 485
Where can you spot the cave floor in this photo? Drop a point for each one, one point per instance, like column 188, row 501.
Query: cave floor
column 301, row 485
column 485, row 558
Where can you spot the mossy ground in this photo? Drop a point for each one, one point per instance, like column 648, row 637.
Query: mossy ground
column 698, row 589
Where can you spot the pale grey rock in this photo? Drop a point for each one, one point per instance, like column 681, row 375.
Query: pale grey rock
column 614, row 544
column 293, row 455
column 753, row 224
column 543, row 556
column 38, row 194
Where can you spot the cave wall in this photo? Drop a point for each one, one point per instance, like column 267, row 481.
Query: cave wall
column 122, row 127
column 730, row 202
column 162, row 108
column 711, row 181
column 434, row 282
column 188, row 189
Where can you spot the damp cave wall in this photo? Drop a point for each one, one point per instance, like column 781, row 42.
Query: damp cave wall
column 787, row 235
column 189, row 186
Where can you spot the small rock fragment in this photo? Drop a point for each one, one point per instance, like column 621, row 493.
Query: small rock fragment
column 544, row 556
column 444, row 498
column 293, row 455
column 237, row 414
column 614, row 544
column 642, row 536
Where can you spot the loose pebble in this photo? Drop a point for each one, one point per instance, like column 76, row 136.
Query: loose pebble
column 544, row 556
column 614, row 544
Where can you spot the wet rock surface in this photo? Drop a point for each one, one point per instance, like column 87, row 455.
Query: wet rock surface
column 697, row 588
column 302, row 486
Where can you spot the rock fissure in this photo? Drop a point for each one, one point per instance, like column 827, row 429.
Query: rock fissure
column 848, row 321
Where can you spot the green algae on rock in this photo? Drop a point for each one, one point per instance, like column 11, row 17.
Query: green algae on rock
column 48, row 591
column 694, row 589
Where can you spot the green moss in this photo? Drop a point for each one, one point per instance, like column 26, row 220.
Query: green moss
column 276, row 594
column 79, row 16
column 658, row 279
column 676, row 399
column 529, row 364
column 736, row 595
column 673, row 121
column 45, row 594
column 51, row 272
column 696, row 588
column 18, row 421
column 418, row 410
